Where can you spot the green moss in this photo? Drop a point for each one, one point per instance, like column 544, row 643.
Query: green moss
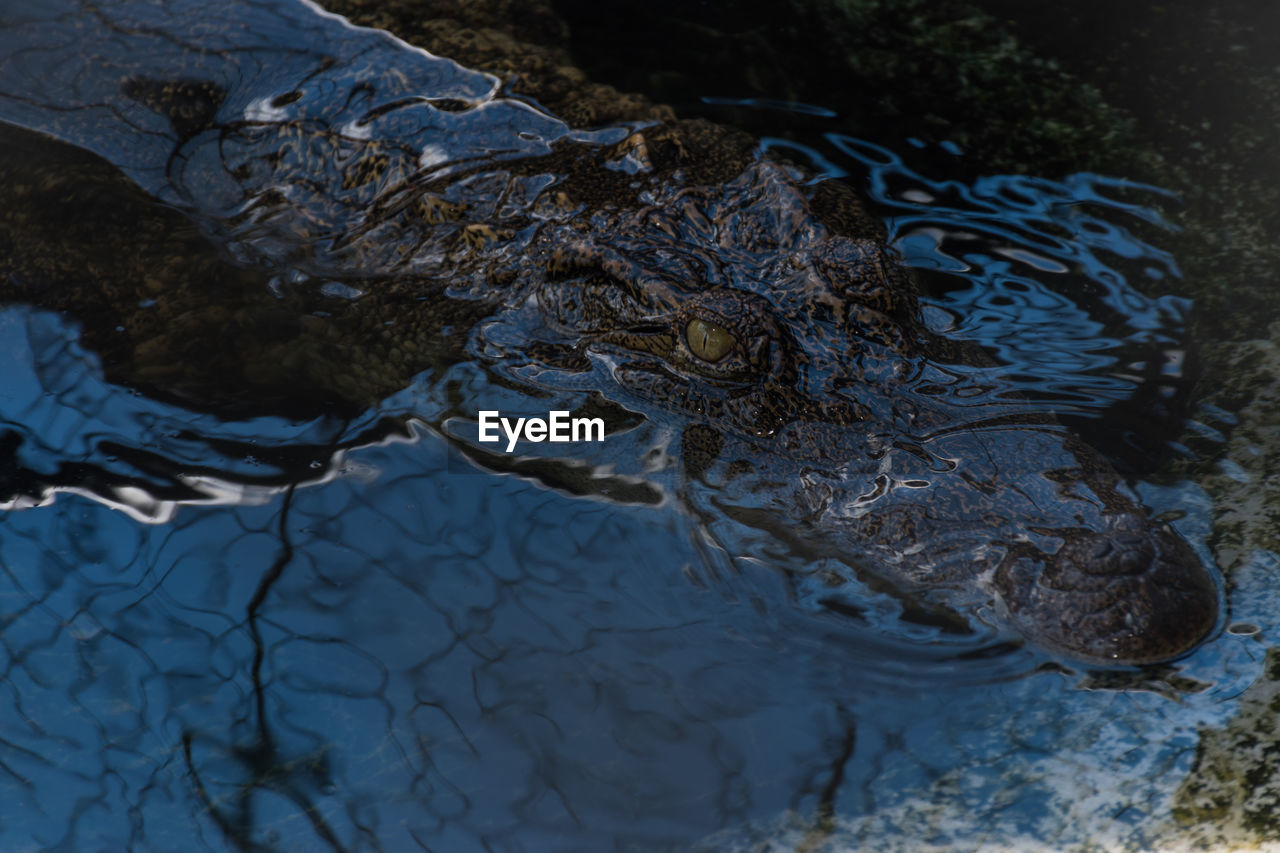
column 1231, row 795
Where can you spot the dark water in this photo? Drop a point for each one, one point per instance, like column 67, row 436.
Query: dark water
column 344, row 633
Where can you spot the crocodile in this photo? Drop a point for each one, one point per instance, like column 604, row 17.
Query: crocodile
column 261, row 208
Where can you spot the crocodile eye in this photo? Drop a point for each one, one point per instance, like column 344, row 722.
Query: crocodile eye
column 708, row 341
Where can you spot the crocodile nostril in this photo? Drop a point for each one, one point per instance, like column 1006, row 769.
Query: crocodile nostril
column 1099, row 556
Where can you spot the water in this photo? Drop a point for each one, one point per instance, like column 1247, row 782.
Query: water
column 350, row 631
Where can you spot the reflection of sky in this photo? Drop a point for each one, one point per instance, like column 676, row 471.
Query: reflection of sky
column 399, row 654
column 140, row 456
column 469, row 661
column 465, row 660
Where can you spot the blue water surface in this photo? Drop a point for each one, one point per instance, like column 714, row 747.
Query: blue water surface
column 376, row 643
column 406, row 650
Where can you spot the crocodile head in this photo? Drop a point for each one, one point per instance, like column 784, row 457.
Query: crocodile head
column 767, row 319
column 398, row 201
column 734, row 306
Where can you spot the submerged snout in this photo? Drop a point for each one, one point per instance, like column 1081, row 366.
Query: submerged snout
column 1132, row 594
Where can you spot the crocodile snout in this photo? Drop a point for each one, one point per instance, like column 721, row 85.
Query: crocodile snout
column 1134, row 593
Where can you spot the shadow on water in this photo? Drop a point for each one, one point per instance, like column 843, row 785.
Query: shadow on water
column 246, row 614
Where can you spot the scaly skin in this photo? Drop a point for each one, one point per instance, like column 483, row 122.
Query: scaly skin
column 340, row 213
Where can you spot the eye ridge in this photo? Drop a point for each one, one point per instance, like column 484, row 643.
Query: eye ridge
column 709, row 341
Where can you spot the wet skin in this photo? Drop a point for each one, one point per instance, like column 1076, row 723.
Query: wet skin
column 343, row 213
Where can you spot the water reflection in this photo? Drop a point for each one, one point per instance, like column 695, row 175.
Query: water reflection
column 337, row 633
column 392, row 653
column 369, row 659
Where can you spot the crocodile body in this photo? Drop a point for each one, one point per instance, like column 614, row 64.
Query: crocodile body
column 339, row 212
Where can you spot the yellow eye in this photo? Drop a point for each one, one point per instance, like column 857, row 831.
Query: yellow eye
column 708, row 341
